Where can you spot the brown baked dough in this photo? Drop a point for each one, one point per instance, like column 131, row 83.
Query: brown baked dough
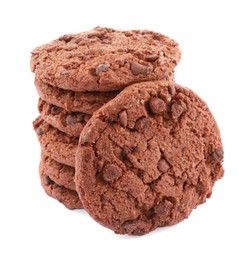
column 148, row 157
column 105, row 59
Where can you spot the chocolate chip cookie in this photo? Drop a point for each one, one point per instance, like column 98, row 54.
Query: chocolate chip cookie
column 85, row 102
column 64, row 195
column 56, row 144
column 105, row 59
column 70, row 123
column 148, row 157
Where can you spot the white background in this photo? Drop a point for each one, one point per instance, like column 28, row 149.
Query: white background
column 213, row 36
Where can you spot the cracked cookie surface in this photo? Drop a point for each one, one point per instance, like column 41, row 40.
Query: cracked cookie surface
column 147, row 158
column 105, row 59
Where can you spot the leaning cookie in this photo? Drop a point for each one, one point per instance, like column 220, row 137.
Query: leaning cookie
column 69, row 198
column 56, row 144
column 85, row 102
column 105, row 59
column 150, row 156
column 70, row 123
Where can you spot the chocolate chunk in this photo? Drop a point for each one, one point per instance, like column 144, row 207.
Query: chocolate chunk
column 128, row 33
column 101, row 68
column 200, row 188
column 123, row 118
column 71, row 120
column 47, row 180
column 163, row 165
column 128, row 156
column 85, row 139
column 129, row 226
column 177, row 109
column 55, row 110
column 151, row 57
column 65, row 73
column 142, row 124
column 126, row 151
column 66, row 38
column 157, row 105
column 218, row 155
column 137, row 69
column 163, row 210
column 72, row 65
column 172, row 89
column 111, row 173
column 39, row 131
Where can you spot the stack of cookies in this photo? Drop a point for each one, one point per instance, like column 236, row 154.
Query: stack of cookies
column 118, row 137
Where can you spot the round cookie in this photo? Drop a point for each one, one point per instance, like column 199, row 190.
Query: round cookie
column 61, row 174
column 105, row 59
column 85, row 102
column 56, row 144
column 147, row 158
column 66, row 196
column 70, row 123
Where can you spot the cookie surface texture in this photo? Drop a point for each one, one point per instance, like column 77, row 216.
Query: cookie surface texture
column 85, row 102
column 68, row 197
column 70, row 123
column 61, row 174
column 105, row 59
column 147, row 158
column 56, row 144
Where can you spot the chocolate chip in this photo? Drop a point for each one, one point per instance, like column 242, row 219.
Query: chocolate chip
column 128, row 33
column 47, row 180
column 144, row 32
column 55, row 110
column 151, row 57
column 142, row 124
column 163, row 209
column 128, row 156
column 130, row 226
column 177, row 109
column 163, row 165
column 218, row 155
column 200, row 188
column 101, row 68
column 137, row 69
column 126, row 151
column 65, row 73
column 71, row 120
column 172, row 89
column 123, row 118
column 66, row 38
column 157, row 105
column 87, row 157
column 86, row 138
column 111, row 173
column 39, row 131
column 72, row 65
